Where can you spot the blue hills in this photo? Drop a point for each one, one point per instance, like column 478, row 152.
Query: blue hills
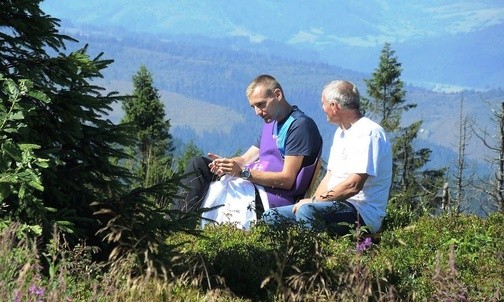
column 450, row 45
column 203, row 58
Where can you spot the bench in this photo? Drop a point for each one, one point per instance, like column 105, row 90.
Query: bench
column 314, row 182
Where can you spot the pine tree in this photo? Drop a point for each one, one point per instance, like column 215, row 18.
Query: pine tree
column 190, row 151
column 413, row 189
column 61, row 121
column 462, row 178
column 153, row 147
column 386, row 91
column 60, row 156
column 495, row 143
column 416, row 185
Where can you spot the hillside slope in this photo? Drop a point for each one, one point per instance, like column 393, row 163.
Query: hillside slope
column 191, row 74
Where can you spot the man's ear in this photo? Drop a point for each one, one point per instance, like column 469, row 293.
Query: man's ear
column 278, row 93
column 335, row 106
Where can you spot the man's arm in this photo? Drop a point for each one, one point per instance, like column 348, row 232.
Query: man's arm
column 248, row 157
column 352, row 185
column 232, row 166
column 349, row 187
column 322, row 187
column 281, row 180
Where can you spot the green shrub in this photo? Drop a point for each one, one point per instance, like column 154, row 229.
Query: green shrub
column 415, row 254
column 73, row 276
column 224, row 255
column 265, row 264
column 437, row 258
column 457, row 258
column 20, row 168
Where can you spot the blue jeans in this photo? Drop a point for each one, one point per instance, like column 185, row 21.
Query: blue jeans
column 333, row 216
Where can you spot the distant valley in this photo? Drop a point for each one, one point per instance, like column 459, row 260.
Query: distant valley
column 443, row 45
column 202, row 86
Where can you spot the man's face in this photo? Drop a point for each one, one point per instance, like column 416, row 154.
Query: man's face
column 329, row 110
column 265, row 106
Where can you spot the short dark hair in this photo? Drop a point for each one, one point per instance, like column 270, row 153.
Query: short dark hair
column 269, row 82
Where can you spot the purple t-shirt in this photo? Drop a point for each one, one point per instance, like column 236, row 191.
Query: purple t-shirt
column 302, row 137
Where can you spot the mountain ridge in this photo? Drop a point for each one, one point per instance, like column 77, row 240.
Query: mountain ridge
column 219, row 76
column 450, row 45
column 191, row 70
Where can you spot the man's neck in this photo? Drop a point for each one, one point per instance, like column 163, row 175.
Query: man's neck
column 350, row 120
column 285, row 112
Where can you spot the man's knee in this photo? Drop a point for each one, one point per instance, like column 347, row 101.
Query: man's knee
column 197, row 163
column 311, row 217
column 278, row 215
column 269, row 217
column 305, row 212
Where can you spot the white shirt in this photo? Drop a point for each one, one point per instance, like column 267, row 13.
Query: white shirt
column 364, row 148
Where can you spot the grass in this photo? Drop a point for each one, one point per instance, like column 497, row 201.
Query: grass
column 460, row 261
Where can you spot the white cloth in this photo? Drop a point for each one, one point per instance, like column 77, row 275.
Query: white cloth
column 232, row 200
column 364, row 148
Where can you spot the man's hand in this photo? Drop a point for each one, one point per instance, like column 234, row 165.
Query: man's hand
column 215, row 169
column 300, row 203
column 222, row 165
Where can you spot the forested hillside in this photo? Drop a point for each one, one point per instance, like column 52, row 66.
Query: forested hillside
column 217, row 76
column 216, row 71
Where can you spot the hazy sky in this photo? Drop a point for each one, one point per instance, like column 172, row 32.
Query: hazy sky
column 438, row 40
column 355, row 23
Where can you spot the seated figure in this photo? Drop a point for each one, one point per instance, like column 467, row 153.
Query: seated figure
column 354, row 192
column 280, row 164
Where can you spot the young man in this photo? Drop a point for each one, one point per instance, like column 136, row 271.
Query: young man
column 282, row 160
column 355, row 190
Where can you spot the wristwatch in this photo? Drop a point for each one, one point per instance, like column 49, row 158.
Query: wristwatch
column 245, row 173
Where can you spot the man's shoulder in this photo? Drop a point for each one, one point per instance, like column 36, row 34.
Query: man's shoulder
column 301, row 117
column 367, row 123
column 304, row 123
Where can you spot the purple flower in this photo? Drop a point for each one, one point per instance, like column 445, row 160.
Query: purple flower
column 32, row 289
column 37, row 291
column 364, row 245
column 40, row 291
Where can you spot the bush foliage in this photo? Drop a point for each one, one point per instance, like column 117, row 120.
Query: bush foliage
column 447, row 257
column 457, row 258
